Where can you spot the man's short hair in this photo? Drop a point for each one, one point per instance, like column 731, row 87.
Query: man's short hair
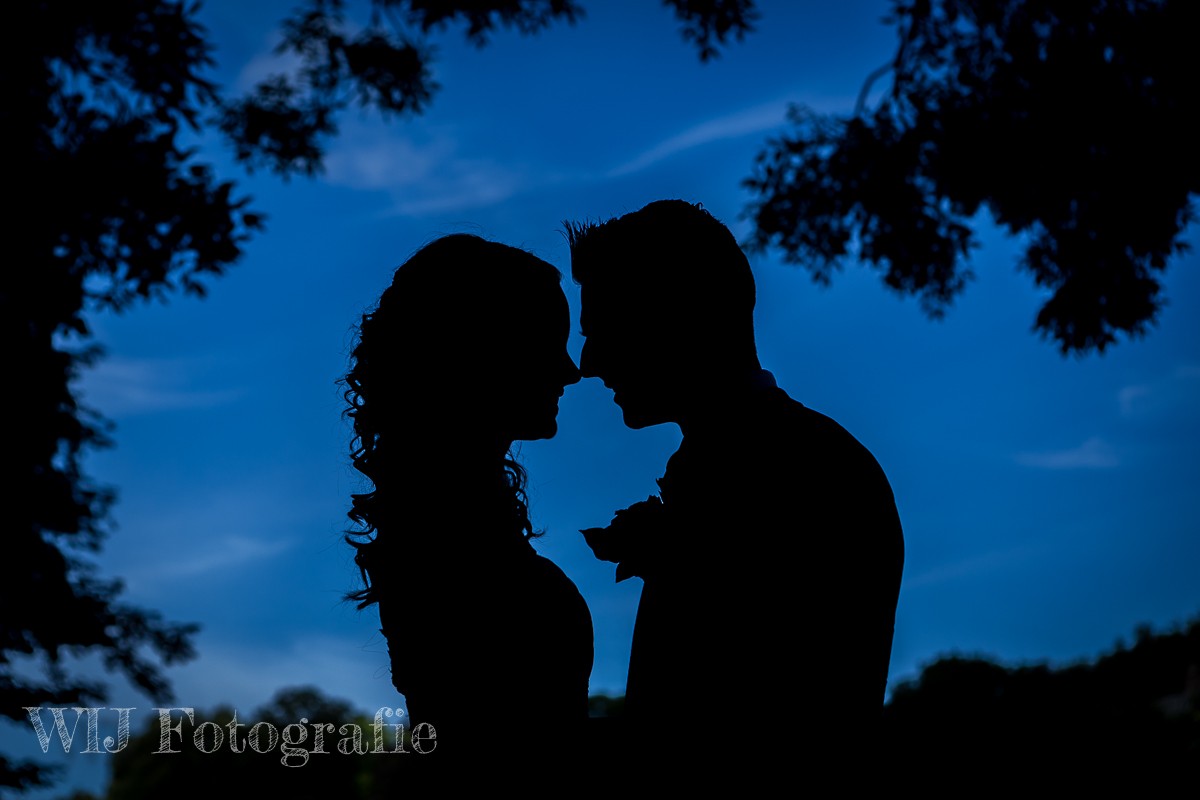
column 673, row 255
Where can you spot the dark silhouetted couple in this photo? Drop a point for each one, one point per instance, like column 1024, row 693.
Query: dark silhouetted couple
column 771, row 555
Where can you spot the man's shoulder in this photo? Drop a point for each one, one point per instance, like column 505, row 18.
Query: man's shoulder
column 773, row 441
column 814, row 456
column 809, row 439
column 781, row 415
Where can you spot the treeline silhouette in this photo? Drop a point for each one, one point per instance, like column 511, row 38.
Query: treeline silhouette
column 1133, row 712
column 964, row 722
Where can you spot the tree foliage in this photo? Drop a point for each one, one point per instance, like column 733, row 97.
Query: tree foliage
column 110, row 208
column 710, row 24
column 1068, row 122
column 382, row 61
column 380, row 58
column 1131, row 713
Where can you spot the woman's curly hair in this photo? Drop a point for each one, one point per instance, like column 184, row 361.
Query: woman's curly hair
column 455, row 293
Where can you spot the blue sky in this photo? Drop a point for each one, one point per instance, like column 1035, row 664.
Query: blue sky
column 1049, row 503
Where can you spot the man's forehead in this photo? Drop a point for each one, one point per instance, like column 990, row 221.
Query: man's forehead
column 605, row 295
column 601, row 302
column 626, row 313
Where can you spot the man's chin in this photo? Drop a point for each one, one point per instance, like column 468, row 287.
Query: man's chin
column 639, row 418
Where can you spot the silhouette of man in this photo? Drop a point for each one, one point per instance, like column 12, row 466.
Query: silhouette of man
column 771, row 558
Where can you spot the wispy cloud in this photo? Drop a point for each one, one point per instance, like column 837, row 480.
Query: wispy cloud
column 972, row 565
column 730, row 126
column 1131, row 398
column 245, row 672
column 231, row 552
column 425, row 172
column 197, row 530
column 464, row 185
column 1095, row 453
column 366, row 161
column 265, row 65
column 1178, row 389
column 1188, row 372
column 422, row 167
column 123, row 386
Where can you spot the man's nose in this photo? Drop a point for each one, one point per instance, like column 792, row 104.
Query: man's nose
column 570, row 372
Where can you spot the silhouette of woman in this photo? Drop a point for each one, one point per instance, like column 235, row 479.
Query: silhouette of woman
column 489, row 642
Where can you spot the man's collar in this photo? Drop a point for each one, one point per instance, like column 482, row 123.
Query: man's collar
column 763, row 379
column 720, row 406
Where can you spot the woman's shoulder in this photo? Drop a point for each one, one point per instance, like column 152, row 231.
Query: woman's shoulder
column 553, row 591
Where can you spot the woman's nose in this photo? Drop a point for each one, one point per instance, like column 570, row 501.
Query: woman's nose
column 587, row 360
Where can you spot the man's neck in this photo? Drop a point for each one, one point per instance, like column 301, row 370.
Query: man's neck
column 721, row 402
